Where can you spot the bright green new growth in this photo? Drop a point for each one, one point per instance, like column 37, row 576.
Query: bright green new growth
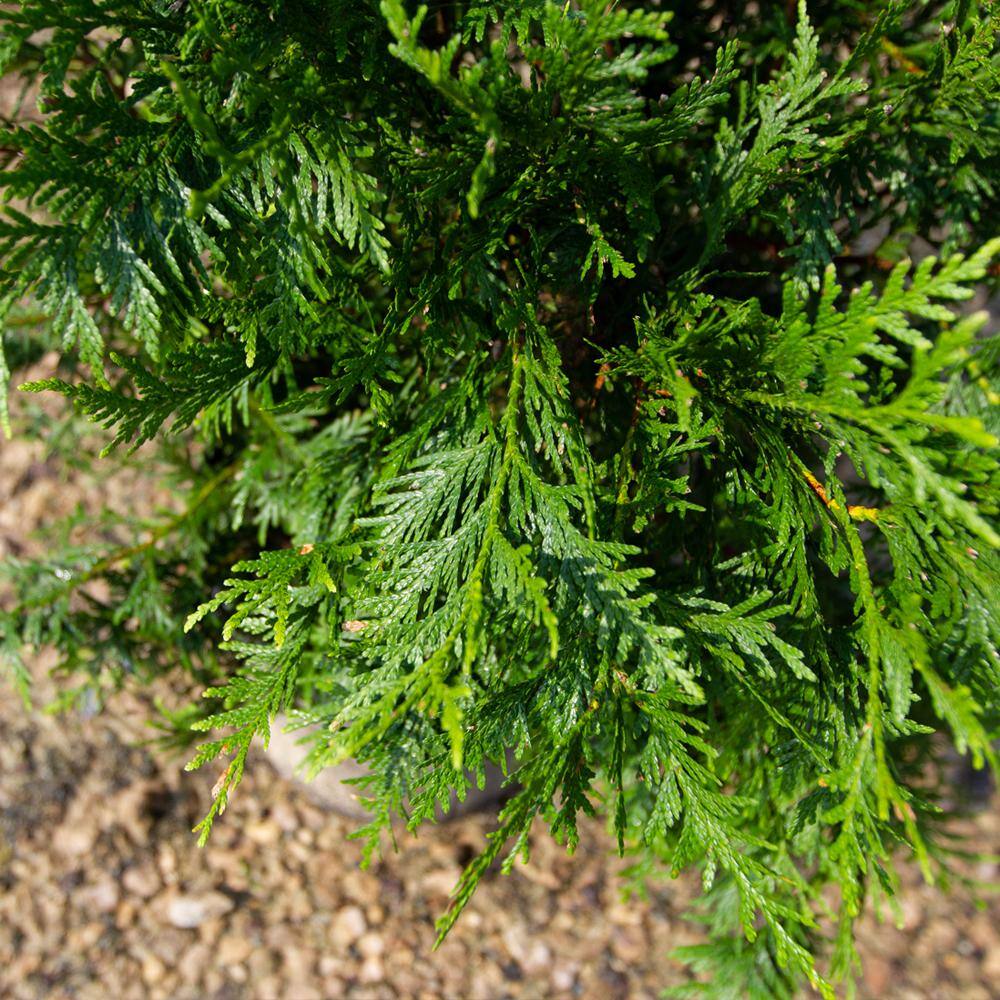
column 549, row 383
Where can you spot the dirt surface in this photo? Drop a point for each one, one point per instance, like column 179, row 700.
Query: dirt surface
column 103, row 892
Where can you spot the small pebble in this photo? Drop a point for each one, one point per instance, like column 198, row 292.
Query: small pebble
column 190, row 911
column 142, row 881
column 348, row 925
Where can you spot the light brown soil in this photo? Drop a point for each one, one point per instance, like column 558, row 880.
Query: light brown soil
column 105, row 894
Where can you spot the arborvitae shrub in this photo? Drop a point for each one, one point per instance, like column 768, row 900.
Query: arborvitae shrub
column 548, row 384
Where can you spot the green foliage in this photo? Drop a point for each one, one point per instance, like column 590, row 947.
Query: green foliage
column 547, row 385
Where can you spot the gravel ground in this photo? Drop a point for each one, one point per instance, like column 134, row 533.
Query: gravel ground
column 103, row 892
column 106, row 895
